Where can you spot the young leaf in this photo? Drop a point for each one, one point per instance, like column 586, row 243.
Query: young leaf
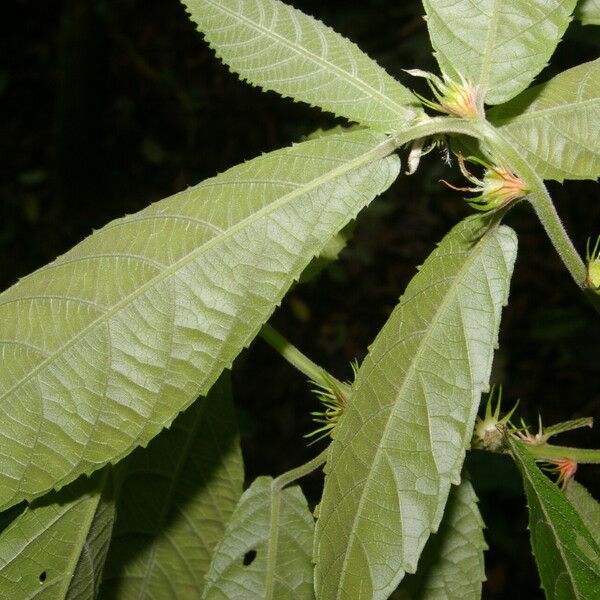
column 57, row 546
column 103, row 348
column 451, row 567
column 556, row 125
column 266, row 550
column 500, row 45
column 402, row 439
column 173, row 505
column 588, row 12
column 586, row 505
column 279, row 48
column 567, row 555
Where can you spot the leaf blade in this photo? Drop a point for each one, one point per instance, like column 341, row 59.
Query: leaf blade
column 498, row 44
column 588, row 12
column 157, row 304
column 277, row 527
column 556, row 125
column 174, row 502
column 452, row 566
column 279, row 48
column 56, row 548
column 567, row 555
column 399, row 446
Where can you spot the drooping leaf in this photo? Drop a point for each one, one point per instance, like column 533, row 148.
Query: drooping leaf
column 556, row 125
column 402, row 439
column 56, row 548
column 451, row 567
column 500, row 45
column 566, row 553
column 279, row 48
column 174, row 502
column 588, row 12
column 266, row 550
column 586, row 505
column 103, row 348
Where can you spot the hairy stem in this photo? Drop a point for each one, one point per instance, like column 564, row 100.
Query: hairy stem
column 539, row 198
column 296, row 358
column 503, row 152
column 288, row 477
column 551, row 452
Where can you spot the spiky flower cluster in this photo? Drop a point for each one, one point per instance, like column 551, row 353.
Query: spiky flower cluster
column 458, row 99
column 334, row 396
column 497, row 188
column 593, row 266
column 490, row 430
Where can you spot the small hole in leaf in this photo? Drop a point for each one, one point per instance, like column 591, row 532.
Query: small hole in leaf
column 43, row 576
column 249, row 557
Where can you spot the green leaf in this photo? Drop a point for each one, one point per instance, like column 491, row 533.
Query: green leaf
column 56, row 548
column 402, row 440
column 102, row 348
column 500, row 45
column 588, row 12
column 567, row 555
column 279, row 48
column 266, row 550
column 177, row 496
column 556, row 125
column 586, row 505
column 451, row 567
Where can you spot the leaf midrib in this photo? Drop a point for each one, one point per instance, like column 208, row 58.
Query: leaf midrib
column 357, row 83
column 409, row 375
column 557, row 542
column 380, row 151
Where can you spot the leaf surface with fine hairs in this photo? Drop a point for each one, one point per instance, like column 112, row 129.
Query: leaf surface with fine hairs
column 266, row 549
column 401, row 442
column 174, row 499
column 500, row 45
column 279, row 48
column 101, row 349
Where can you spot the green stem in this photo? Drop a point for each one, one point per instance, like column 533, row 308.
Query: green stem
column 285, row 478
column 296, row 358
column 551, row 452
column 504, row 152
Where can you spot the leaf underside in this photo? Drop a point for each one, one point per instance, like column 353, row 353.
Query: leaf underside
column 56, row 548
column 555, row 126
column 586, row 505
column 451, row 567
column 588, row 12
column 279, row 48
column 402, row 440
column 174, row 502
column 500, row 45
column 102, row 348
column 566, row 553
column 266, row 550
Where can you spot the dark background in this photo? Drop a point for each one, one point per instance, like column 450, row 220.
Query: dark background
column 110, row 105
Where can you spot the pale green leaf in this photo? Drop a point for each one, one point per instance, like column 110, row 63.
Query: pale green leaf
column 586, row 505
column 266, row 550
column 556, row 125
column 55, row 549
column 451, row 567
column 566, row 553
column 102, row 348
column 177, row 496
column 500, row 45
column 588, row 12
column 279, row 48
column 401, row 442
